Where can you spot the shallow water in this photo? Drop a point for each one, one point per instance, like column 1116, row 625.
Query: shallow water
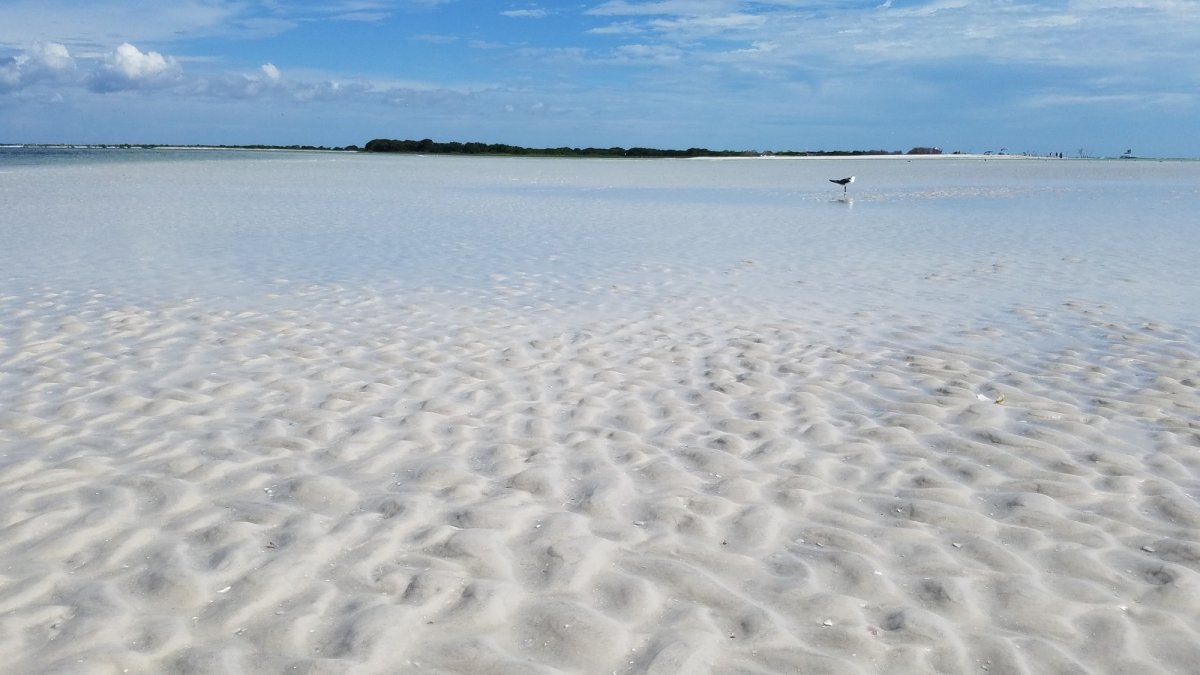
column 910, row 235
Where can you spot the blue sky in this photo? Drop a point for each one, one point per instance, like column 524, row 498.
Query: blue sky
column 1038, row 77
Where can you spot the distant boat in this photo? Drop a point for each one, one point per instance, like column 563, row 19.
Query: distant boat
column 1128, row 154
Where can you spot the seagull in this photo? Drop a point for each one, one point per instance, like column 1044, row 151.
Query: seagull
column 842, row 181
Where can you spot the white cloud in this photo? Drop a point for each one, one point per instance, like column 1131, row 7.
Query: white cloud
column 51, row 56
column 268, row 82
column 526, row 13
column 43, row 62
column 692, row 27
column 133, row 64
column 127, row 67
column 622, row 28
column 823, row 37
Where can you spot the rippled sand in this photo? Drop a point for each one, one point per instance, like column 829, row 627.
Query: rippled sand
column 346, row 482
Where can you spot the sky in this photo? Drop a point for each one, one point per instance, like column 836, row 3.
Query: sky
column 1091, row 77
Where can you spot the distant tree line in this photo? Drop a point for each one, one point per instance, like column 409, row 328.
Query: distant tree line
column 349, row 148
column 431, row 147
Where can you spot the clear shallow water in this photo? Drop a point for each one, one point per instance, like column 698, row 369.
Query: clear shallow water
column 944, row 235
column 13, row 156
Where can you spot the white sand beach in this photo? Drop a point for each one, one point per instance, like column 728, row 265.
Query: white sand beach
column 781, row 450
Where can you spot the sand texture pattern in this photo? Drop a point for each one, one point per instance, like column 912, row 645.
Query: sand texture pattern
column 354, row 484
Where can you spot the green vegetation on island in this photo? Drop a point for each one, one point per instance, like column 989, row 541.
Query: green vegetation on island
column 431, row 147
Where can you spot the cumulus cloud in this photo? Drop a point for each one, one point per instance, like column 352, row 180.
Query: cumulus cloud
column 51, row 56
column 127, row 67
column 43, row 62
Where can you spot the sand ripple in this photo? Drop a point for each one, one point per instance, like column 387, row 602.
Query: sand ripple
column 353, row 484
